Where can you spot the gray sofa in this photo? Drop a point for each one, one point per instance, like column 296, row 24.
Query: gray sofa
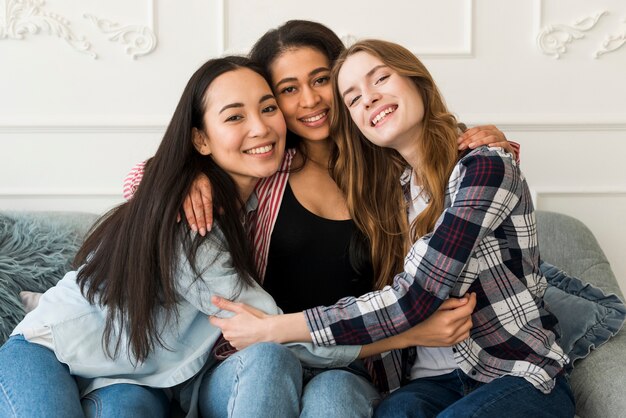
column 564, row 242
column 596, row 380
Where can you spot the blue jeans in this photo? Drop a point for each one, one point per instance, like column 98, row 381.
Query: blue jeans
column 266, row 380
column 456, row 395
column 33, row 383
column 338, row 393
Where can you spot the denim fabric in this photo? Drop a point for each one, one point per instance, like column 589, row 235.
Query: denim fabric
column 587, row 317
column 454, row 395
column 267, row 380
column 33, row 383
column 338, row 393
column 263, row 380
column 126, row 400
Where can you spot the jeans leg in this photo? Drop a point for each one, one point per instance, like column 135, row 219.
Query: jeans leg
column 126, row 400
column 338, row 393
column 33, row 383
column 263, row 380
column 423, row 398
column 514, row 397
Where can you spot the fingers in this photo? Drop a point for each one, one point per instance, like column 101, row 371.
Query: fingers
column 453, row 303
column 227, row 305
column 472, row 301
column 506, row 145
column 466, row 310
column 207, row 207
column 206, row 193
column 464, row 323
column 474, row 130
column 198, row 210
column 463, row 332
column 480, row 135
column 198, row 205
column 217, row 322
column 479, row 139
column 191, row 217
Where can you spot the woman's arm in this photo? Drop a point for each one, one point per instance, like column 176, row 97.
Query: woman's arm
column 450, row 325
column 198, row 205
column 132, row 180
column 488, row 186
column 485, row 187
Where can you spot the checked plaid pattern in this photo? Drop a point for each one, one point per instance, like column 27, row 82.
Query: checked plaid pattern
column 485, row 242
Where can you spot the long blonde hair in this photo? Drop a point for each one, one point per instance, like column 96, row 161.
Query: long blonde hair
column 370, row 175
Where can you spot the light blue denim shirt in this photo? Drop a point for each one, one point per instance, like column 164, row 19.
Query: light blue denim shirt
column 76, row 327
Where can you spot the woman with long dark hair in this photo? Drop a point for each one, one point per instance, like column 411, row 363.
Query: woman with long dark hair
column 130, row 322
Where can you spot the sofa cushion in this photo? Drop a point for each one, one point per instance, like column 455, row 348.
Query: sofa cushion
column 35, row 253
column 587, row 316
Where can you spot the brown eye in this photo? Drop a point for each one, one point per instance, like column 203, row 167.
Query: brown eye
column 321, row 81
column 269, row 109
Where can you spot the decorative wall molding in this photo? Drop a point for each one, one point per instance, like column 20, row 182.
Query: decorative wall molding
column 139, row 40
column 570, row 190
column 466, row 50
column 611, row 43
column 574, row 192
column 553, row 39
column 556, row 127
column 84, row 200
column 29, row 16
column 159, row 128
column 27, row 193
column 113, row 128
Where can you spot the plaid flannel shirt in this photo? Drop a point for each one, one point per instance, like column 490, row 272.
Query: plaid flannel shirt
column 485, row 242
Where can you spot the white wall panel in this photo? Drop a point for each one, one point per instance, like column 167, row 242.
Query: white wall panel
column 52, row 171
column 43, row 80
column 445, row 31
column 580, row 173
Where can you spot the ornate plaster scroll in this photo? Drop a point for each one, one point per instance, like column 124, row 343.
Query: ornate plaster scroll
column 139, row 40
column 29, row 17
column 553, row 39
column 612, row 43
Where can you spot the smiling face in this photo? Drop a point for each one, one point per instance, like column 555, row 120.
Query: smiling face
column 386, row 106
column 301, row 82
column 244, row 128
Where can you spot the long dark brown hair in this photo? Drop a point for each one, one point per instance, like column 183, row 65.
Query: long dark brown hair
column 369, row 175
column 130, row 260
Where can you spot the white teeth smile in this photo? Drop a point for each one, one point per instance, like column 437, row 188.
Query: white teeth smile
column 314, row 118
column 382, row 115
column 260, row 150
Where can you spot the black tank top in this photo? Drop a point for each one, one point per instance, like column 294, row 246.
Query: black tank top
column 309, row 259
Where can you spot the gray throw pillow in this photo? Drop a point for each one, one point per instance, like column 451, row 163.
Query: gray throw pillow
column 34, row 255
column 587, row 317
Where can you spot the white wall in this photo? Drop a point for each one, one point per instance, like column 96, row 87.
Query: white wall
column 71, row 126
